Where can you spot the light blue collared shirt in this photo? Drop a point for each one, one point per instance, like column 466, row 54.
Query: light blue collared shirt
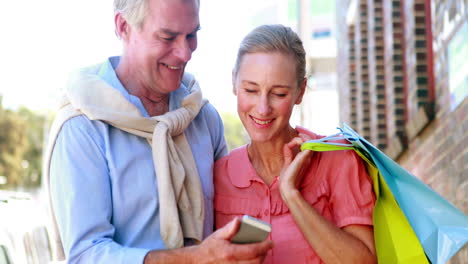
column 103, row 185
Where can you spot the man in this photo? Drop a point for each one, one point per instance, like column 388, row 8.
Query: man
column 132, row 150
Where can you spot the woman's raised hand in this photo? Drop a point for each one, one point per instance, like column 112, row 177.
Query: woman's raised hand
column 295, row 165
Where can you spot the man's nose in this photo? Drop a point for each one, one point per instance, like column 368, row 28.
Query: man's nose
column 183, row 51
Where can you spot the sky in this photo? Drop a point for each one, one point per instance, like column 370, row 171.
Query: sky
column 43, row 41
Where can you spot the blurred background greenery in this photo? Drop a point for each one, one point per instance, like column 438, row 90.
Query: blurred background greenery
column 22, row 133
column 21, row 142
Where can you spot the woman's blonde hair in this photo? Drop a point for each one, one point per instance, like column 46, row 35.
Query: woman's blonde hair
column 274, row 38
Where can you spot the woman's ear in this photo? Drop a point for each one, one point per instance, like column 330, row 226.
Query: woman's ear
column 234, row 89
column 121, row 26
column 302, row 88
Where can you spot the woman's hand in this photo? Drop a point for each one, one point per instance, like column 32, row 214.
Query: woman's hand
column 295, row 166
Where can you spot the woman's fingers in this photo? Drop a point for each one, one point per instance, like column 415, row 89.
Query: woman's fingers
column 290, row 149
column 300, row 161
column 305, row 137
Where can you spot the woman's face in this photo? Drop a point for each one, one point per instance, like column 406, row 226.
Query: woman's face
column 267, row 90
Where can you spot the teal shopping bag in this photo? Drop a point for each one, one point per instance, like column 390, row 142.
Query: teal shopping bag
column 441, row 228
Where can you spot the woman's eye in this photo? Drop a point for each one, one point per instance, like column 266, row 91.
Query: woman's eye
column 280, row 95
column 250, row 90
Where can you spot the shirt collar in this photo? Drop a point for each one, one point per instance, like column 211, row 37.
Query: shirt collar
column 108, row 74
column 242, row 172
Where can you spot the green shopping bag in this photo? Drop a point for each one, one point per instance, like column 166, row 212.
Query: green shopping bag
column 395, row 240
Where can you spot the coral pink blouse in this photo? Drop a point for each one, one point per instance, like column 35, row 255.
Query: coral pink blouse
column 337, row 186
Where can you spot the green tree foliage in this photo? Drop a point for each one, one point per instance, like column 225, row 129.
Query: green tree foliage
column 32, row 158
column 234, row 131
column 13, row 144
column 21, row 134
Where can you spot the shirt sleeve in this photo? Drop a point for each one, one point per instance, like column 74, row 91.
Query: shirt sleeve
column 352, row 198
column 81, row 196
column 216, row 128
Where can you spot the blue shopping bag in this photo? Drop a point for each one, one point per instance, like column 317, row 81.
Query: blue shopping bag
column 441, row 228
column 394, row 238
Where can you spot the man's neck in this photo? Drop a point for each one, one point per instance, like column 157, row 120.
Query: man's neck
column 155, row 108
column 155, row 103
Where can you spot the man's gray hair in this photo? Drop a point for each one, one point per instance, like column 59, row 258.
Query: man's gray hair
column 134, row 11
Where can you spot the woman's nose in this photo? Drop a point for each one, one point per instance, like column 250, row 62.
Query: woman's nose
column 263, row 106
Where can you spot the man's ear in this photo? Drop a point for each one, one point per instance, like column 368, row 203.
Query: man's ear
column 234, row 90
column 302, row 88
column 121, row 26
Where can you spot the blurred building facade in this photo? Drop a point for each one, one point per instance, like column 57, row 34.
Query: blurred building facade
column 317, row 28
column 314, row 21
column 403, row 85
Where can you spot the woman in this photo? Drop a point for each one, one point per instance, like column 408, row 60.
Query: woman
column 319, row 204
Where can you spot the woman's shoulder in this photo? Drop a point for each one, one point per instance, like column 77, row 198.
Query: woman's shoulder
column 233, row 156
column 312, row 135
column 235, row 161
column 233, row 171
column 315, row 136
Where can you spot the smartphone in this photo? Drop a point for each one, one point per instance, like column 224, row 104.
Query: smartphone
column 251, row 230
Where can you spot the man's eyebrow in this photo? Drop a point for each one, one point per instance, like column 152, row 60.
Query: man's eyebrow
column 196, row 29
column 175, row 33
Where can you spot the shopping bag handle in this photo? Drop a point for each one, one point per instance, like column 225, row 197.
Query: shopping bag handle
column 329, row 144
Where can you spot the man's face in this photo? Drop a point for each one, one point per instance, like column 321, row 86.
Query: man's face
column 160, row 50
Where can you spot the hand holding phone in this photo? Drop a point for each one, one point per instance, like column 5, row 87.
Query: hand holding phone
column 251, row 230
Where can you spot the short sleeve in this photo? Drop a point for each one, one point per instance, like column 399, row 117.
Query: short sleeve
column 352, row 198
column 216, row 128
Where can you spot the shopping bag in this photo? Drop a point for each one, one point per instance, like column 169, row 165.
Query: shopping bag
column 441, row 228
column 395, row 240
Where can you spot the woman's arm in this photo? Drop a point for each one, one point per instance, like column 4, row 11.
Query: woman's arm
column 351, row 244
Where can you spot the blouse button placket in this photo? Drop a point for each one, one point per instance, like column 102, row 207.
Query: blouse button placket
column 267, row 206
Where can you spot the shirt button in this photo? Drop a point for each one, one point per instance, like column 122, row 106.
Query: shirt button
column 266, row 212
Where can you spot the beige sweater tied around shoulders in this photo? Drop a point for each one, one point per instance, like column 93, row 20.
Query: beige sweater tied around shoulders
column 179, row 185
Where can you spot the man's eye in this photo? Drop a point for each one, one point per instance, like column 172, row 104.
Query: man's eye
column 168, row 38
column 250, row 90
column 280, row 95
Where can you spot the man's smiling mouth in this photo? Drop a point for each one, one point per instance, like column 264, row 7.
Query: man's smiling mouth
column 172, row 67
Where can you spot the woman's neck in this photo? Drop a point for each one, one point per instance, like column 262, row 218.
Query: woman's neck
column 267, row 158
